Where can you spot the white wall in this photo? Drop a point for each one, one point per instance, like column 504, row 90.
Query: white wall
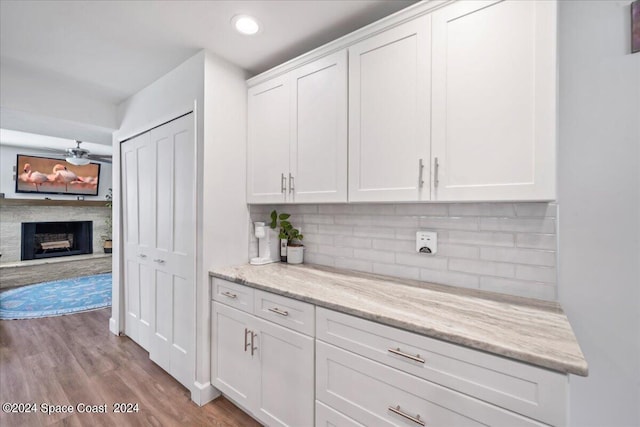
column 217, row 92
column 8, row 155
column 599, row 207
column 225, row 212
column 45, row 103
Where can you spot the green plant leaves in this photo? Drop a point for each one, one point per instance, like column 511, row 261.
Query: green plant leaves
column 286, row 228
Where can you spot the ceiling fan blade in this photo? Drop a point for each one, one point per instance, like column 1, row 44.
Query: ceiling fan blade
column 100, row 158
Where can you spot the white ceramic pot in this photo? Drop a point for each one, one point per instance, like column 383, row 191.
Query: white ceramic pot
column 295, row 254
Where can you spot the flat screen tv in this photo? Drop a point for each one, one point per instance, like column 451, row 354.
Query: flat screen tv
column 56, row 176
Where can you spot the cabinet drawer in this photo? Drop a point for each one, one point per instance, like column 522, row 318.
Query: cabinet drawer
column 233, row 294
column 375, row 394
column 293, row 314
column 534, row 392
column 329, row 417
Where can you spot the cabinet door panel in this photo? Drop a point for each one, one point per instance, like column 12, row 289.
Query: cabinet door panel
column 494, row 101
column 319, row 130
column 389, row 79
column 268, row 141
column 232, row 369
column 286, row 375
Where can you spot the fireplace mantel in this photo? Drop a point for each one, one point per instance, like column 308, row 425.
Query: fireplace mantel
column 53, row 202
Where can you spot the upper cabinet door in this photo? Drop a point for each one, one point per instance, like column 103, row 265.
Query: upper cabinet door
column 319, row 131
column 389, row 114
column 268, row 141
column 494, row 100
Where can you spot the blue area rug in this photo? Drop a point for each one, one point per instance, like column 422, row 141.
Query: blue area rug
column 56, row 298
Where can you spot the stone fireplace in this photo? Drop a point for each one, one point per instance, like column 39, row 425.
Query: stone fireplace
column 56, row 239
column 16, row 212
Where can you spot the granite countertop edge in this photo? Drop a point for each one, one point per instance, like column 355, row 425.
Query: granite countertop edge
column 540, row 360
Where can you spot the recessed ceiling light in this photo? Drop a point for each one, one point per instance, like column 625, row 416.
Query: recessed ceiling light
column 245, row 24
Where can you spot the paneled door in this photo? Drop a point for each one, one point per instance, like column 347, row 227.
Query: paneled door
column 389, row 115
column 158, row 180
column 173, row 334
column 318, row 154
column 138, row 189
column 494, row 100
column 234, row 372
column 268, row 141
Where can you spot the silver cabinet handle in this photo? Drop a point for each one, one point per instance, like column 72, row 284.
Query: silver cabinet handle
column 397, row 351
column 229, row 294
column 436, row 166
column 420, row 173
column 291, row 187
column 246, row 344
column 415, row 419
column 159, row 261
column 283, row 184
column 278, row 311
column 143, row 256
column 253, row 348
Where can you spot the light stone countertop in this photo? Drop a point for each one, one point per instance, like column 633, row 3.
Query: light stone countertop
column 529, row 330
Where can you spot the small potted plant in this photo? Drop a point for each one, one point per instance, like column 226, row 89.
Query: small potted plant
column 290, row 239
column 108, row 222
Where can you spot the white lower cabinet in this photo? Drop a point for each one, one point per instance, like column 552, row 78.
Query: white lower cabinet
column 289, row 363
column 375, row 394
column 265, row 368
column 374, row 374
column 328, row 417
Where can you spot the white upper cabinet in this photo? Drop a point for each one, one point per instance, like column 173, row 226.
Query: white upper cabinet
column 319, row 131
column 456, row 103
column 389, row 115
column 494, row 101
column 298, row 135
column 268, row 135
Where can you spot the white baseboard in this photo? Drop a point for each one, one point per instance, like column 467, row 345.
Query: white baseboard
column 113, row 327
column 202, row 394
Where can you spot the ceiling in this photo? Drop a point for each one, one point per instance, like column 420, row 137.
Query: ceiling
column 112, row 49
column 36, row 142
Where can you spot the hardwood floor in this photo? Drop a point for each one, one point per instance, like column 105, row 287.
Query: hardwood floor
column 74, row 359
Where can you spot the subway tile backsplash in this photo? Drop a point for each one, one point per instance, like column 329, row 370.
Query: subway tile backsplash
column 501, row 247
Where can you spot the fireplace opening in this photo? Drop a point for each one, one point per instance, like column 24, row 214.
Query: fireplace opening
column 55, row 239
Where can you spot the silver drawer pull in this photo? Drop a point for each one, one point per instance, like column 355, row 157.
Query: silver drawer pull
column 142, row 256
column 278, row 311
column 229, row 294
column 415, row 419
column 159, row 261
column 397, row 351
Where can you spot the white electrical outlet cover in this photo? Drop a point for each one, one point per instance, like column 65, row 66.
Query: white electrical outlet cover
column 427, row 242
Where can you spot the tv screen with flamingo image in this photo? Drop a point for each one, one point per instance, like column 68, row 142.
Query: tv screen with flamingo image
column 56, row 176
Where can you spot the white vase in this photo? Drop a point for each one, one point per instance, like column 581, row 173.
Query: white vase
column 295, row 254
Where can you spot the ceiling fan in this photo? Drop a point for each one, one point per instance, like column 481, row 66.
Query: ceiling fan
column 80, row 156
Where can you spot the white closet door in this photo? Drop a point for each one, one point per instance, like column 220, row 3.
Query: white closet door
column 172, row 341
column 319, row 131
column 494, row 100
column 138, row 201
column 389, row 77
